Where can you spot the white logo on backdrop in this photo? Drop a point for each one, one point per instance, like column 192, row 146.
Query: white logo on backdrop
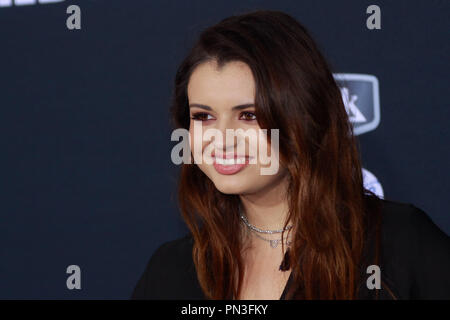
column 361, row 97
column 350, row 106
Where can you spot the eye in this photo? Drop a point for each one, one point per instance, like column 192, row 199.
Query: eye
column 248, row 116
column 201, row 116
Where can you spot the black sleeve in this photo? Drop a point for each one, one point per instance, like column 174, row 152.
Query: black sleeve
column 170, row 274
column 152, row 271
column 431, row 258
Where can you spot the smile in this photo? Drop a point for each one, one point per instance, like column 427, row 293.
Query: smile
column 228, row 166
column 230, row 161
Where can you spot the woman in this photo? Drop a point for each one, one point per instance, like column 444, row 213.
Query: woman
column 309, row 230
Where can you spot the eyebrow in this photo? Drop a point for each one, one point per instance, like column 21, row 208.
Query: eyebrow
column 205, row 107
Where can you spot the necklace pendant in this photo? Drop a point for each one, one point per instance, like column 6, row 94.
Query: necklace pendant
column 273, row 243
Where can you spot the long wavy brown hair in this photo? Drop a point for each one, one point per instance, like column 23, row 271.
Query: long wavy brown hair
column 296, row 93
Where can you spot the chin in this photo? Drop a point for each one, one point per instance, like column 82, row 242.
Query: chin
column 230, row 184
column 230, row 187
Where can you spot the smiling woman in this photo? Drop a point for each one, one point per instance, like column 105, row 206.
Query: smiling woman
column 223, row 99
column 262, row 70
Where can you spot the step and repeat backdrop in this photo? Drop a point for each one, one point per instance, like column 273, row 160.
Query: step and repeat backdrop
column 88, row 187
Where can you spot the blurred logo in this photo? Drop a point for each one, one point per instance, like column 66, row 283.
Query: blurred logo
column 10, row 3
column 360, row 95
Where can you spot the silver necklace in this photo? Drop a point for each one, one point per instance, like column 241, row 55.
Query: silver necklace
column 274, row 242
column 256, row 229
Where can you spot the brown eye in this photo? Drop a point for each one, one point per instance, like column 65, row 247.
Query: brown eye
column 201, row 116
column 248, row 116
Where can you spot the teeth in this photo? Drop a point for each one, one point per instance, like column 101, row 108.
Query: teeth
column 229, row 162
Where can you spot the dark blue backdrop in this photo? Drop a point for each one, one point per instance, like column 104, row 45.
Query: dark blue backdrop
column 86, row 176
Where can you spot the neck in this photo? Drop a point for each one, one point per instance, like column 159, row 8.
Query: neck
column 267, row 209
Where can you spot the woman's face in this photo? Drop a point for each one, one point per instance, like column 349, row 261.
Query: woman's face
column 221, row 100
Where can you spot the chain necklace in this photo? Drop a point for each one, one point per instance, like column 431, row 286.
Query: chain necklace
column 273, row 242
column 254, row 228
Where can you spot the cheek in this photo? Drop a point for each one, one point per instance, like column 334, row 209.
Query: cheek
column 195, row 142
column 191, row 138
column 249, row 181
column 253, row 182
column 196, row 137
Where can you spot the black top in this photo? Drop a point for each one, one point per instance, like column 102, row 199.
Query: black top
column 415, row 262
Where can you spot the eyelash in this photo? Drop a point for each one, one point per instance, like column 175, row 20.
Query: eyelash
column 197, row 116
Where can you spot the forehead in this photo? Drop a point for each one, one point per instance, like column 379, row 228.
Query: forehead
column 230, row 85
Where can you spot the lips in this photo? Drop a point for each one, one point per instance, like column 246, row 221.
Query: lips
column 229, row 169
column 229, row 163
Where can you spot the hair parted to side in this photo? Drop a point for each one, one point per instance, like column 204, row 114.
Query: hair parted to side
column 296, row 93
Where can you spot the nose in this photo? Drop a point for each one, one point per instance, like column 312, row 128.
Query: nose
column 225, row 144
